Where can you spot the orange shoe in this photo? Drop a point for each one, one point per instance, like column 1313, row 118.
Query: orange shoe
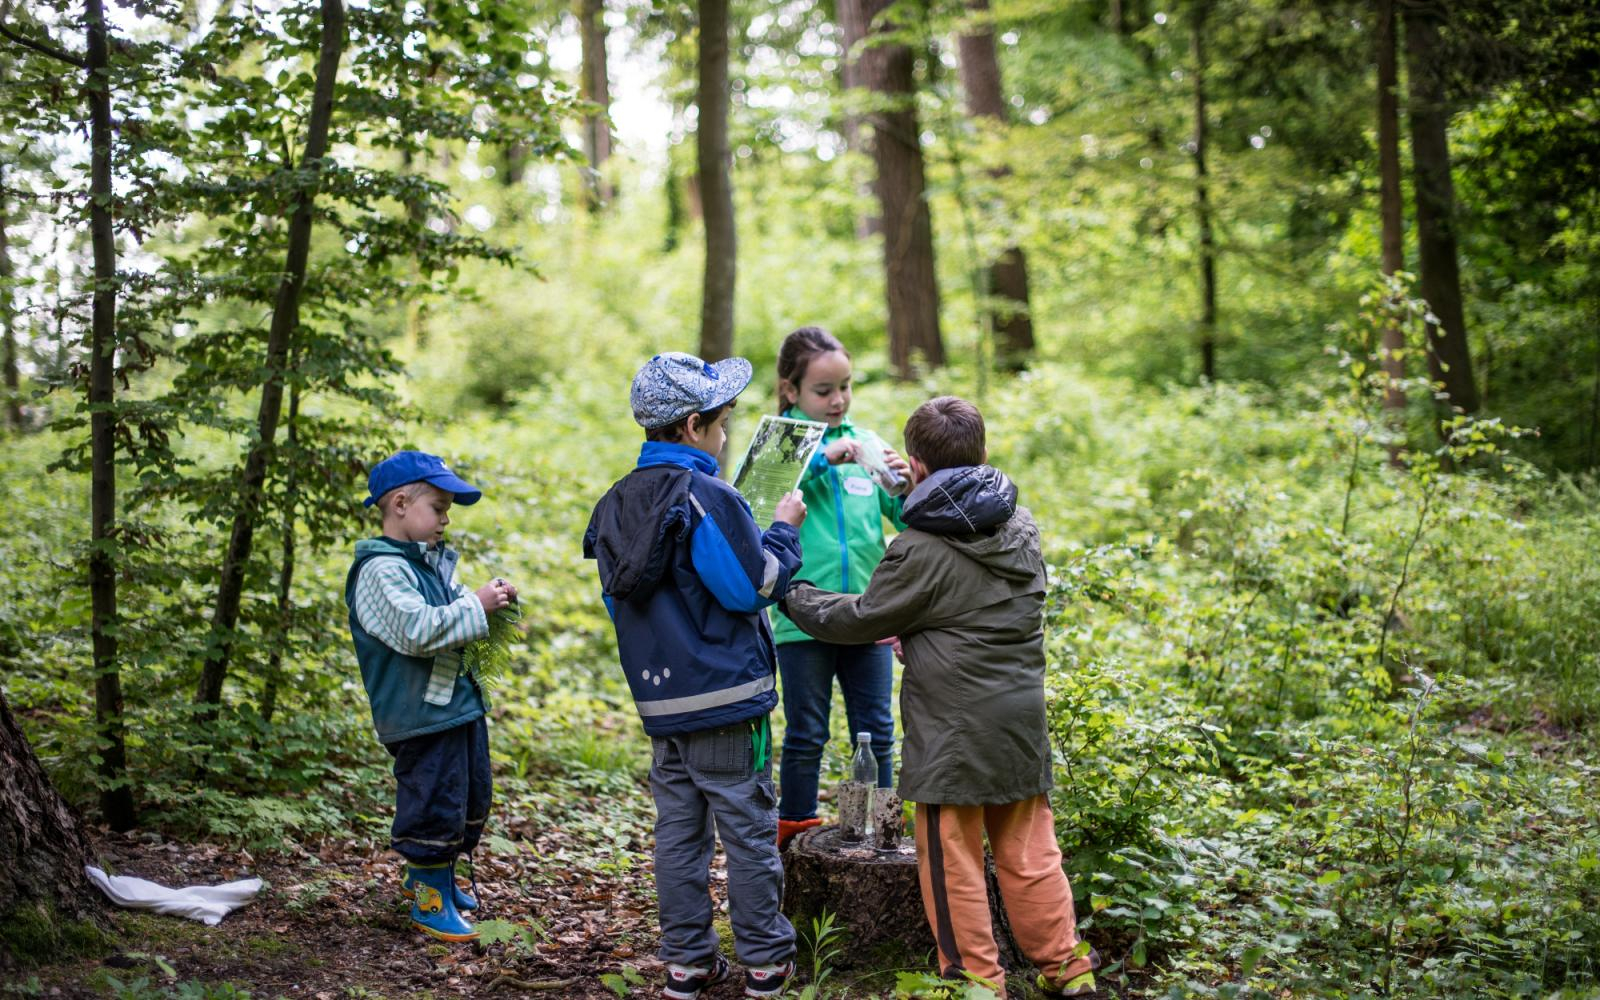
column 787, row 828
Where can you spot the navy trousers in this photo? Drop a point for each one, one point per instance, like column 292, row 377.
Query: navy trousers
column 442, row 793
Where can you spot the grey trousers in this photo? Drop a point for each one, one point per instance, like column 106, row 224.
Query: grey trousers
column 704, row 784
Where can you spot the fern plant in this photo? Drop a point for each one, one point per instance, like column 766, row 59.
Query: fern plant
column 488, row 658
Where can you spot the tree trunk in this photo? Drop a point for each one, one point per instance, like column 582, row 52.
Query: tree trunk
column 1208, row 252
column 716, row 190
column 416, row 308
column 852, row 29
column 911, row 282
column 595, row 89
column 1008, row 274
column 43, row 849
column 116, row 798
column 1449, row 361
column 8, row 314
column 269, row 694
column 285, row 322
column 1390, row 208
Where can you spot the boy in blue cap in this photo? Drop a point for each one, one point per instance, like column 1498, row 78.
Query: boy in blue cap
column 687, row 575
column 410, row 620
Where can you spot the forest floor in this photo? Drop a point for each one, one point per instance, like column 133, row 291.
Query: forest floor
column 567, row 898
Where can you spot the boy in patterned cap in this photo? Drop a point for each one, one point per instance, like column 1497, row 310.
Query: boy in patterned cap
column 687, row 575
column 409, row 621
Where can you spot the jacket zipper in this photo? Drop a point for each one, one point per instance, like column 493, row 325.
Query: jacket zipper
column 844, row 547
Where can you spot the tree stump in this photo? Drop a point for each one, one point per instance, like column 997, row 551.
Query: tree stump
column 876, row 898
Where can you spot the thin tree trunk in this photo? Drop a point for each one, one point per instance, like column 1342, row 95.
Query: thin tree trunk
column 1008, row 274
column 285, row 322
column 1449, row 360
column 8, row 316
column 416, row 309
column 852, row 29
column 911, row 282
column 716, row 189
column 116, row 798
column 43, row 847
column 1391, row 211
column 269, row 696
column 1208, row 253
column 595, row 88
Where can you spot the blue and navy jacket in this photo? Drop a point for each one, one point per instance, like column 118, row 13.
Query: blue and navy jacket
column 397, row 684
column 687, row 574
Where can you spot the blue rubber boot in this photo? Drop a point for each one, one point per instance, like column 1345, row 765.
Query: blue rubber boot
column 465, row 902
column 433, row 910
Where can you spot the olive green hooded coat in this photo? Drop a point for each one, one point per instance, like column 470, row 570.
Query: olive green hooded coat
column 963, row 587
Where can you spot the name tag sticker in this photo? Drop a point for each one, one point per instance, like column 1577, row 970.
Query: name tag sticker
column 859, row 486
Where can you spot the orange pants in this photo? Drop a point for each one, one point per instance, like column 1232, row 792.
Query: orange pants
column 1034, row 889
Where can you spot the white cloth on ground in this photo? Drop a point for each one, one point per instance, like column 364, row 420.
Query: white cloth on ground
column 205, row 903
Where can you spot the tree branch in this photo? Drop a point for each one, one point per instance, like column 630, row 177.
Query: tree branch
column 62, row 54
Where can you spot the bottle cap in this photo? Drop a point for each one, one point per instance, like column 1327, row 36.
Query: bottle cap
column 863, row 737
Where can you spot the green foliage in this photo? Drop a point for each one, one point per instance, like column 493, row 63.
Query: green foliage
column 824, row 942
column 488, row 658
column 622, row 983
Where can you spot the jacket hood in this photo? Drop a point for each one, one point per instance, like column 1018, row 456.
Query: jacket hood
column 962, row 501
column 631, row 527
column 974, row 510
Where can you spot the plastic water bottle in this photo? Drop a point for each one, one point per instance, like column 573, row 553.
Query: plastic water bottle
column 864, row 771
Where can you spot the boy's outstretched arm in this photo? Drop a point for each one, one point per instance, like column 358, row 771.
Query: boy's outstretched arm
column 745, row 568
column 389, row 606
column 897, row 600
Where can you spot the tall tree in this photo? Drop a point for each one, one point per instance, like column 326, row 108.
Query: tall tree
column 1390, row 209
column 1449, row 360
column 8, row 315
column 852, row 30
column 595, row 89
column 285, row 324
column 43, row 847
column 716, row 188
column 1008, row 274
column 911, row 282
column 1202, row 184
column 116, row 797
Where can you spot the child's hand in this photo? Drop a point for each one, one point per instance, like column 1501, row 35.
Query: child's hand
column 791, row 509
column 495, row 595
column 842, row 450
column 894, row 641
column 901, row 467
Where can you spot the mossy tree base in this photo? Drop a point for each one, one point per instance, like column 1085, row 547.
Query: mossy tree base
column 48, row 907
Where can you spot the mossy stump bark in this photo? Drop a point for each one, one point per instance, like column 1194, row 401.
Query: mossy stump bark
column 876, row 898
column 48, row 907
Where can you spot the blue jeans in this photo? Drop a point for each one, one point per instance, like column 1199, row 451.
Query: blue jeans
column 706, row 784
column 866, row 676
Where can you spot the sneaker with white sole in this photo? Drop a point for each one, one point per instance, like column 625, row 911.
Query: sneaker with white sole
column 767, row 980
column 684, row 982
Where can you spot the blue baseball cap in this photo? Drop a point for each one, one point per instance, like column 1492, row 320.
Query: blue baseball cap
column 406, row 467
column 673, row 385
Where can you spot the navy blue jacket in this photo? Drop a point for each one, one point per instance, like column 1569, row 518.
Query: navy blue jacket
column 686, row 574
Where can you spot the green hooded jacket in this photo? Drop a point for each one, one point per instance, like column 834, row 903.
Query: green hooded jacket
column 841, row 541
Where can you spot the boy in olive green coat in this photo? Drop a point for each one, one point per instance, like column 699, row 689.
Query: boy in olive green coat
column 963, row 587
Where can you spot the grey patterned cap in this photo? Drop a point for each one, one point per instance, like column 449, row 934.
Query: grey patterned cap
column 672, row 385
